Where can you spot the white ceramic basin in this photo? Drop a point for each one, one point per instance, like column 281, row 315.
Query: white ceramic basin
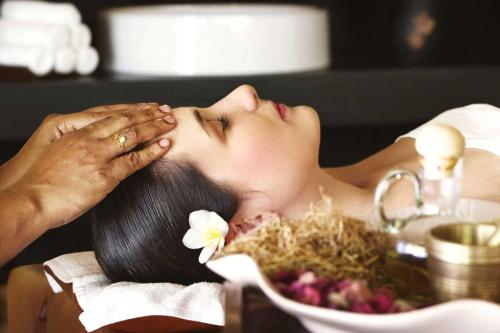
column 459, row 316
column 224, row 39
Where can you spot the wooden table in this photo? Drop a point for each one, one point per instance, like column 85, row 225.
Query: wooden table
column 3, row 309
column 252, row 312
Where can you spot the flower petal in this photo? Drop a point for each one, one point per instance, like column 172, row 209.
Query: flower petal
column 194, row 239
column 207, row 252
column 221, row 243
column 199, row 220
column 218, row 223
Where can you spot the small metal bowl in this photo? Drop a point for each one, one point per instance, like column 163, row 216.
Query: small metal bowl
column 461, row 264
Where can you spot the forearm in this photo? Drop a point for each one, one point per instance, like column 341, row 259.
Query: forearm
column 21, row 222
column 5, row 180
column 13, row 170
column 8, row 175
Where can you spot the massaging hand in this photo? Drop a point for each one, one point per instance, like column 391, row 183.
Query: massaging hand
column 52, row 128
column 72, row 161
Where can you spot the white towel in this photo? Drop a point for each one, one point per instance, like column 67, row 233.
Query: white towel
column 479, row 124
column 104, row 303
column 41, row 11
column 81, row 36
column 87, row 60
column 33, row 34
column 65, row 60
column 38, row 60
column 84, row 61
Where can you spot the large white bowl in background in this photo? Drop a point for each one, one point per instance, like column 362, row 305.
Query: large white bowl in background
column 216, row 39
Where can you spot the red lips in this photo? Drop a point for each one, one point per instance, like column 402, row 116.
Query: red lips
column 281, row 109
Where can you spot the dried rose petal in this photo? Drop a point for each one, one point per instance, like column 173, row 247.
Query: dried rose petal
column 348, row 294
column 322, row 284
column 337, row 300
column 382, row 302
column 332, row 288
column 362, row 308
column 357, row 292
column 307, row 278
column 295, row 287
column 344, row 284
column 308, row 295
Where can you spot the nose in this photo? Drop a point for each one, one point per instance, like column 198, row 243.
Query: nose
column 245, row 96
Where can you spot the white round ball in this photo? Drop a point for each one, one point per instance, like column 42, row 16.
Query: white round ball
column 440, row 141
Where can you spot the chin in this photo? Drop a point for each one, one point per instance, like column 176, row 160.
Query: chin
column 310, row 113
column 313, row 122
column 309, row 128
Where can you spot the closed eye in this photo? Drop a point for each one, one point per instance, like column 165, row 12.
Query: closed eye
column 222, row 118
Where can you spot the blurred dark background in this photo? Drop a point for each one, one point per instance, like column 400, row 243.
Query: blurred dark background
column 376, row 33
column 395, row 64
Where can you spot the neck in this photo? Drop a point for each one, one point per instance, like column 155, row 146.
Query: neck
column 353, row 201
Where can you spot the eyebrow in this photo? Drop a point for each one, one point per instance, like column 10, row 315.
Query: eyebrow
column 199, row 120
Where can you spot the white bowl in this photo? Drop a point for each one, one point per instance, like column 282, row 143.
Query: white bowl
column 224, row 39
column 459, row 316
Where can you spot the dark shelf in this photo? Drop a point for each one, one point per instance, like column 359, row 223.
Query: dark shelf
column 341, row 97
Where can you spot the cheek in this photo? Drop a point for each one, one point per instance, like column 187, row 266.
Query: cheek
column 259, row 160
column 274, row 159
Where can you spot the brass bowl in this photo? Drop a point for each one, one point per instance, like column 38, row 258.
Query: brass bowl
column 461, row 264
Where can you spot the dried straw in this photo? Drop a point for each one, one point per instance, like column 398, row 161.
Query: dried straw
column 324, row 241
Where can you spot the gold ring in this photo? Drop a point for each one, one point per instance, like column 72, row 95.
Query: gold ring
column 119, row 139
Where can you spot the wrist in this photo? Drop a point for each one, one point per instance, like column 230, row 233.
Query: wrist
column 30, row 200
column 21, row 222
column 6, row 175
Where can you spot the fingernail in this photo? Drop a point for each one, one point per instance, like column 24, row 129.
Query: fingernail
column 169, row 119
column 163, row 143
column 165, row 108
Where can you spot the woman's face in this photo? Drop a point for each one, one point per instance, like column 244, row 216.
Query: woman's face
column 262, row 153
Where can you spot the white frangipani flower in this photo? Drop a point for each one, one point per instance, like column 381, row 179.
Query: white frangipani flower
column 208, row 231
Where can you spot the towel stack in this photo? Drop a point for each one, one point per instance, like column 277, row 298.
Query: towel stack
column 45, row 37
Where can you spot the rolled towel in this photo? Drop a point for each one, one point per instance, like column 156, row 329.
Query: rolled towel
column 80, row 36
column 87, row 60
column 41, row 11
column 33, row 34
column 38, row 60
column 65, row 60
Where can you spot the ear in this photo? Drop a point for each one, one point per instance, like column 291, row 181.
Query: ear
column 239, row 225
column 235, row 227
column 253, row 203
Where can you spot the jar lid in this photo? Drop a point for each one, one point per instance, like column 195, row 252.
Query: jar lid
column 440, row 142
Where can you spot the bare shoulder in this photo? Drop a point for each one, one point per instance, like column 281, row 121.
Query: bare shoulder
column 481, row 178
column 481, row 175
column 481, row 172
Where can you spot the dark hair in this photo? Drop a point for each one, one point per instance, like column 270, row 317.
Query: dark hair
column 137, row 229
